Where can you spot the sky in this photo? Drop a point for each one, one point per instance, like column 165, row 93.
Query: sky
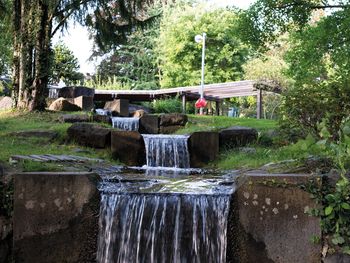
column 77, row 38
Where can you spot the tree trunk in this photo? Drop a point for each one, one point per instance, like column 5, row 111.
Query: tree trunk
column 32, row 38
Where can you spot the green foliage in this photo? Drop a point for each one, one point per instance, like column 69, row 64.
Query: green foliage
column 335, row 214
column 167, row 106
column 65, row 65
column 5, row 38
column 134, row 64
column 215, row 123
column 180, row 55
column 109, row 83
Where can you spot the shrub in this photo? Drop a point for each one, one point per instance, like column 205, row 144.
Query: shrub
column 167, row 106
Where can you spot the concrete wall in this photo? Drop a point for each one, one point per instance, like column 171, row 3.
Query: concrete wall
column 268, row 222
column 55, row 217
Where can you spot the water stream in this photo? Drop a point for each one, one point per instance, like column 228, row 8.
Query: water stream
column 164, row 212
column 125, row 124
column 167, row 150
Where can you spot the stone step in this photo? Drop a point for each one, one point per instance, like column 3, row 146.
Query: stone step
column 53, row 158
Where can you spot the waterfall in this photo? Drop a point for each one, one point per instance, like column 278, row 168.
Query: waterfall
column 125, row 124
column 103, row 112
column 165, row 228
column 167, row 150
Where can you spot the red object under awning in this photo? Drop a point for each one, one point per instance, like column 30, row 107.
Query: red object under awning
column 200, row 103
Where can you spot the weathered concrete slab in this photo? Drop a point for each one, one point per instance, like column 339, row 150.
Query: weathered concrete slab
column 128, row 147
column 268, row 222
column 237, row 136
column 55, row 217
column 120, row 106
column 89, row 134
column 54, row 158
column 84, row 102
column 203, row 148
column 43, row 134
column 73, row 118
column 149, row 124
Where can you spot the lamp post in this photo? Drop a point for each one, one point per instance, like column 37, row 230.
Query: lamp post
column 201, row 102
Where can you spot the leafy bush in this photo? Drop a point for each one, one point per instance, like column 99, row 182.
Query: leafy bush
column 305, row 107
column 167, row 106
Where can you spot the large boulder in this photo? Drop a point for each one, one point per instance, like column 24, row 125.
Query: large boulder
column 237, row 136
column 5, row 103
column 120, row 107
column 173, row 119
column 102, row 118
column 203, row 148
column 128, row 147
column 62, row 104
column 75, row 91
column 73, row 118
column 149, row 124
column 89, row 134
column 135, row 107
column 169, row 129
column 55, row 217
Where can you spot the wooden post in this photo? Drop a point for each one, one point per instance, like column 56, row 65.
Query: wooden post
column 217, row 106
column 259, row 104
column 184, row 103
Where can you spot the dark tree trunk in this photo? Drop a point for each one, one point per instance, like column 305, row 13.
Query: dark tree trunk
column 33, row 25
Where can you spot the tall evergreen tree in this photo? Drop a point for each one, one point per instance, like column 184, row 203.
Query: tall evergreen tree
column 36, row 21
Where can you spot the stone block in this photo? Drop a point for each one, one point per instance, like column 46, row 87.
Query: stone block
column 88, row 134
column 269, row 223
column 73, row 118
column 102, row 118
column 76, row 91
column 120, row 106
column 237, row 136
column 149, row 124
column 55, row 217
column 62, row 104
column 169, row 129
column 173, row 119
column 203, row 148
column 84, row 102
column 128, row 147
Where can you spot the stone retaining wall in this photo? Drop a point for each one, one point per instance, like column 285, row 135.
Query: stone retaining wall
column 269, row 223
column 55, row 217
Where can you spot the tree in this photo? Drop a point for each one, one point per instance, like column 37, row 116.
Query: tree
column 5, row 38
column 34, row 24
column 134, row 64
column 65, row 65
column 267, row 19
column 180, row 55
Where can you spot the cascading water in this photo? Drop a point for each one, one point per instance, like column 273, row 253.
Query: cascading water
column 103, row 112
column 167, row 150
column 147, row 217
column 125, row 124
column 163, row 228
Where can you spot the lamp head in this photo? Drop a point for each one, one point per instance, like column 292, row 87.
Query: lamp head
column 198, row 38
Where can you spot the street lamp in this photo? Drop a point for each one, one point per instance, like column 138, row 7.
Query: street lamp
column 201, row 102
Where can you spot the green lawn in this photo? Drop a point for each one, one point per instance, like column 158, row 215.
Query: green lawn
column 207, row 123
column 232, row 159
column 14, row 145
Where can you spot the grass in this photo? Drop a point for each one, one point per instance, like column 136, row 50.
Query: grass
column 214, row 123
column 232, row 159
column 20, row 121
column 235, row 159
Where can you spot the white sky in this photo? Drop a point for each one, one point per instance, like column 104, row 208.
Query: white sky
column 78, row 41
